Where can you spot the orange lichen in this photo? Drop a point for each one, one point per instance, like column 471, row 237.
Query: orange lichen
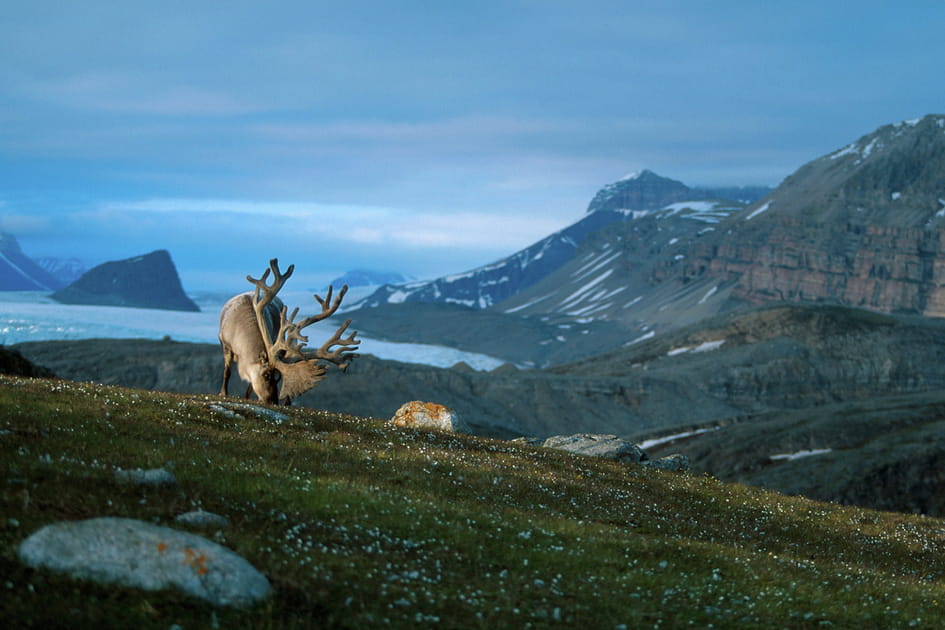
column 197, row 562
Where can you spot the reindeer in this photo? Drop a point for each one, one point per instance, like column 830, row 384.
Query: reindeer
column 269, row 347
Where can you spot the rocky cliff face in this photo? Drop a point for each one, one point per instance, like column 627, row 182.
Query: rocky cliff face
column 148, row 281
column 862, row 226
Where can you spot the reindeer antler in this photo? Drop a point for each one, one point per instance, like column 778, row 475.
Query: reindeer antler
column 340, row 356
column 286, row 347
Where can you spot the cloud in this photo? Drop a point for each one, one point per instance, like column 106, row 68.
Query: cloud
column 363, row 225
column 21, row 224
column 117, row 93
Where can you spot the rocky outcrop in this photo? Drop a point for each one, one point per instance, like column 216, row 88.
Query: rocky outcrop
column 640, row 191
column 148, row 281
column 882, row 268
column 141, row 555
column 428, row 416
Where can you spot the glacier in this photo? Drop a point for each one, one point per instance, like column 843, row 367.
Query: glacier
column 34, row 316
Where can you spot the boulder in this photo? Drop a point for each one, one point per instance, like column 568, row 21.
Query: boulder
column 597, row 445
column 149, row 477
column 428, row 416
column 141, row 555
column 675, row 462
column 202, row 518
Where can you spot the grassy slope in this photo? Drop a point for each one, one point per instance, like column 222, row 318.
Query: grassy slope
column 360, row 525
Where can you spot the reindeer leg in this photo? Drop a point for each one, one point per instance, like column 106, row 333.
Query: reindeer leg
column 227, row 366
column 249, row 390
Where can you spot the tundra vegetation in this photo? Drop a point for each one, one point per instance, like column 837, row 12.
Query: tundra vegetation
column 359, row 524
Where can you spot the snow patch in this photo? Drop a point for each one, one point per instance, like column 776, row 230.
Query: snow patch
column 847, row 150
column 522, row 307
column 645, row 444
column 896, row 195
column 397, row 297
column 709, row 294
column 648, row 335
column 799, row 454
column 702, row 347
column 709, row 345
column 758, row 211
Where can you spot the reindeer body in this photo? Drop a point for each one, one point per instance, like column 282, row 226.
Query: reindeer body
column 242, row 341
column 269, row 347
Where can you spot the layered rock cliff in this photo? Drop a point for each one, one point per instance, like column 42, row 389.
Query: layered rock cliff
column 862, row 226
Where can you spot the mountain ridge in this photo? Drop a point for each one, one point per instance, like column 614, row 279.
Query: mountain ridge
column 146, row 281
column 18, row 272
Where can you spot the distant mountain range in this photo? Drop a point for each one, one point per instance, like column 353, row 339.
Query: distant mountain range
column 65, row 270
column 861, row 226
column 18, row 272
column 368, row 278
column 629, row 198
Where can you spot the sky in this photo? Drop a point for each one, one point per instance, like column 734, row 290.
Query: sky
column 423, row 137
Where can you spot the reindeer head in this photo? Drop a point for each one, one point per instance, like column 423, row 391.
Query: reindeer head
column 287, row 360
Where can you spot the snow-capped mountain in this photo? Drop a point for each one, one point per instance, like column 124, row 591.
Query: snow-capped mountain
column 368, row 278
column 611, row 276
column 861, row 226
column 632, row 197
column 18, row 272
column 65, row 270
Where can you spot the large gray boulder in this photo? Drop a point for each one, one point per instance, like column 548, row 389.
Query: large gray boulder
column 138, row 554
column 597, row 445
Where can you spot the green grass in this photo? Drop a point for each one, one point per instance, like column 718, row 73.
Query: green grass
column 357, row 525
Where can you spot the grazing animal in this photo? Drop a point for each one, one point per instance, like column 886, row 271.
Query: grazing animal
column 269, row 347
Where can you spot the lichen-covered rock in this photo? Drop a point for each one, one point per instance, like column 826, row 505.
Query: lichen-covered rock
column 141, row 555
column 596, row 445
column 429, row 416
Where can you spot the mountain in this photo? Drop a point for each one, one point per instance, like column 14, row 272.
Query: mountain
column 148, row 281
column 368, row 278
column 617, row 203
column 861, row 226
column 65, row 270
column 648, row 191
column 490, row 284
column 20, row 273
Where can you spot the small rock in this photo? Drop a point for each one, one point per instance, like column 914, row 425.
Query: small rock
column 151, row 477
column 429, row 416
column 240, row 409
column 201, row 518
column 674, row 462
column 141, row 555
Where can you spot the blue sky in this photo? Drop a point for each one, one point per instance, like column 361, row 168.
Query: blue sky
column 423, row 137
